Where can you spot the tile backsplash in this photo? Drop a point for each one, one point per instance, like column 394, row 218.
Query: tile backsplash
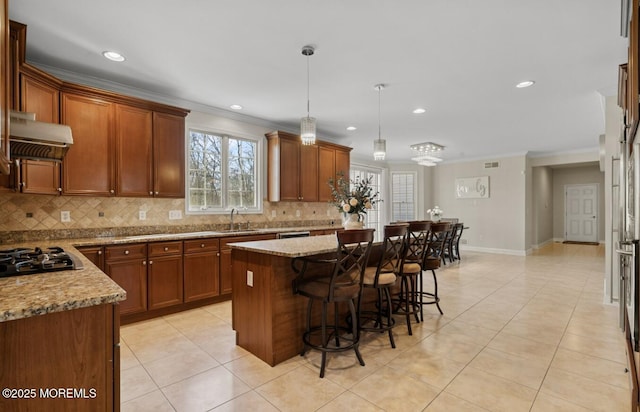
column 114, row 216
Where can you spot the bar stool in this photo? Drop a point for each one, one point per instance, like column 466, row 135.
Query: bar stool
column 433, row 257
column 454, row 249
column 409, row 299
column 342, row 282
column 382, row 278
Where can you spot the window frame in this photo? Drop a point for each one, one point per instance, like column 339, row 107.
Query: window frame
column 414, row 190
column 258, row 166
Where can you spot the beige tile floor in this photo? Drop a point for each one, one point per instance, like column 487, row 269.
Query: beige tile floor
column 518, row 334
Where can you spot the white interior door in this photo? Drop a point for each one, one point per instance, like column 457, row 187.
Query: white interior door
column 581, row 213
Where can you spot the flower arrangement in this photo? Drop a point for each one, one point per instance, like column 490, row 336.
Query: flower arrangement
column 353, row 196
column 436, row 213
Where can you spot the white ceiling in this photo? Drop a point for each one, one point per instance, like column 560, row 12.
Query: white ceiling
column 458, row 59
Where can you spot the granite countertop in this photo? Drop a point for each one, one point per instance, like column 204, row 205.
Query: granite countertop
column 38, row 294
column 42, row 293
column 293, row 247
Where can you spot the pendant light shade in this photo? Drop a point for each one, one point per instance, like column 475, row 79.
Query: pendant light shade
column 379, row 145
column 308, row 124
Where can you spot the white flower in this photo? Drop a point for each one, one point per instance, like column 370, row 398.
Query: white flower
column 346, row 207
column 353, row 201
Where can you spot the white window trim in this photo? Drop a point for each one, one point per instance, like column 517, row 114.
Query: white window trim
column 258, row 167
column 415, row 191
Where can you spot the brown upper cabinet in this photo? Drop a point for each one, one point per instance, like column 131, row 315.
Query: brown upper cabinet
column 122, row 146
column 298, row 172
column 5, row 93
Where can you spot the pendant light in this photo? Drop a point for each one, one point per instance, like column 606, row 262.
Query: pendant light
column 308, row 124
column 380, row 145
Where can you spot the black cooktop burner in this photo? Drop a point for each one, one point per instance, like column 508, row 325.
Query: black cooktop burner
column 25, row 261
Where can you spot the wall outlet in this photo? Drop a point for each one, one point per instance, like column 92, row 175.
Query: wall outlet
column 175, row 214
column 65, row 216
column 249, row 278
column 273, row 213
column 328, row 212
column 142, row 215
column 463, row 241
column 297, row 213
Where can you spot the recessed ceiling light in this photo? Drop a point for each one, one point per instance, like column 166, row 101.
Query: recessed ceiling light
column 113, row 56
column 236, row 107
column 419, row 110
column 525, row 83
column 351, row 128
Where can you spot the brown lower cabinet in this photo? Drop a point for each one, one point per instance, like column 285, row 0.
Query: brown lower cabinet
column 127, row 266
column 201, row 269
column 164, row 274
column 77, row 349
column 165, row 277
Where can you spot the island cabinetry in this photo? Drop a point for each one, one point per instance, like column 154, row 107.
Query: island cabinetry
column 127, row 266
column 201, row 269
column 76, row 349
column 164, row 274
column 94, row 253
column 226, row 277
column 88, row 168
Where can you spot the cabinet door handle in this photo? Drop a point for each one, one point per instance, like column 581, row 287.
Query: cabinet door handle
column 144, row 263
column 166, row 249
column 126, row 252
column 151, row 262
column 150, row 192
column 156, row 192
column 218, row 254
column 112, row 191
column 201, row 244
column 59, row 189
column 99, row 252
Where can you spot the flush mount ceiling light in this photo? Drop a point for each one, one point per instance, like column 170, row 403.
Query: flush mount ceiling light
column 427, row 147
column 236, row 107
column 526, row 83
column 419, row 110
column 308, row 124
column 113, row 56
column 351, row 128
column 380, row 145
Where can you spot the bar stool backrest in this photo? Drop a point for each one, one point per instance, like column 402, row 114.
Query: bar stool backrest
column 418, row 241
column 393, row 247
column 352, row 255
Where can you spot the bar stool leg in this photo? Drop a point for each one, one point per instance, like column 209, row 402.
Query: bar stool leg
column 355, row 331
column 389, row 316
column 435, row 291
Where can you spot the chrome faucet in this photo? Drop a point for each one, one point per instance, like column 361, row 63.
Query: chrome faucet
column 231, row 222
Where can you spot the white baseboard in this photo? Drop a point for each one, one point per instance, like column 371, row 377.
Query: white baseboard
column 511, row 252
column 543, row 244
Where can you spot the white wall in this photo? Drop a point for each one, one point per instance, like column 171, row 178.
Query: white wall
column 497, row 223
column 542, row 206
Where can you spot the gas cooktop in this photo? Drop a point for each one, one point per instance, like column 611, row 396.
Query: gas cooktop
column 27, row 261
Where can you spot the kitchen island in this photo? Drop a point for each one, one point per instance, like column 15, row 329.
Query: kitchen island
column 268, row 317
column 59, row 339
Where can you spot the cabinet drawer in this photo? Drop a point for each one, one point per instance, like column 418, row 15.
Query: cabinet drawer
column 136, row 250
column 165, row 248
column 201, row 245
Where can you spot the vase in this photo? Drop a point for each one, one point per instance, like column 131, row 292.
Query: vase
column 353, row 221
column 435, row 218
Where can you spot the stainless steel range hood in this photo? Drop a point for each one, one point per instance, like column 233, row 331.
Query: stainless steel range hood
column 37, row 140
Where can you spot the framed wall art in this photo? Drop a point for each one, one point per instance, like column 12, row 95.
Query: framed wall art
column 472, row 187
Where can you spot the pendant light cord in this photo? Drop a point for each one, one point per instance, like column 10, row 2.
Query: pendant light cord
column 307, row 85
column 379, row 127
